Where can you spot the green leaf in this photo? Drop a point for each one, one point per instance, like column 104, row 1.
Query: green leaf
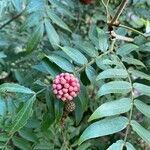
column 93, row 35
column 2, row 55
column 22, row 116
column 126, row 49
column 139, row 74
column 75, row 55
column 3, row 137
column 91, row 73
column 21, row 143
column 115, row 87
column 57, row 20
column 142, row 132
column 112, row 73
column 3, row 107
column 143, row 89
column 78, row 111
column 112, row 108
column 17, row 4
column 132, row 61
column 104, row 127
column 102, row 37
column 117, row 146
column 63, row 8
column 61, row 62
column 12, row 87
column 28, row 134
column 47, row 68
column 87, row 48
column 52, row 34
column 35, row 38
column 142, row 107
column 129, row 146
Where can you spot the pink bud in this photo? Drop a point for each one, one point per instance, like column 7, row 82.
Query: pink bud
column 62, row 74
column 66, row 95
column 73, row 84
column 56, row 81
column 55, row 91
column 66, row 85
column 63, row 98
column 67, row 78
column 60, row 92
column 62, row 81
column 70, row 88
column 54, row 86
column 75, row 89
column 65, row 90
column 59, row 86
column 70, row 98
column 58, row 96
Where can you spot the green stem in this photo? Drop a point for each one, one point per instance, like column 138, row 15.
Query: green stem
column 91, row 62
column 107, row 11
column 132, row 99
column 134, row 30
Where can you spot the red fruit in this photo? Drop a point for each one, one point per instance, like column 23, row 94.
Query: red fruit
column 86, row 1
column 66, row 86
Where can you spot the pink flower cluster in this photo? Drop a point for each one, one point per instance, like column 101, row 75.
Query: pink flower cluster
column 66, row 86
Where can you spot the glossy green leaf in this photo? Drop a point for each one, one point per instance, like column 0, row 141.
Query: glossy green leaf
column 102, row 37
column 17, row 4
column 126, row 49
column 52, row 34
column 117, row 146
column 22, row 116
column 3, row 107
column 28, row 134
column 142, row 107
column 114, row 87
column 112, row 108
column 63, row 8
column 143, row 89
column 133, row 61
column 75, row 55
column 13, row 87
column 57, row 20
column 47, row 68
column 139, row 74
column 91, row 73
column 141, row 131
column 35, row 38
column 112, row 73
column 21, row 143
column 61, row 62
column 87, row 48
column 104, row 127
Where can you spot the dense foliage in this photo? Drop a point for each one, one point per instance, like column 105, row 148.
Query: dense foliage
column 105, row 44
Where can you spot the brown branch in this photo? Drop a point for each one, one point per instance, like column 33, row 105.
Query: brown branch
column 120, row 37
column 119, row 11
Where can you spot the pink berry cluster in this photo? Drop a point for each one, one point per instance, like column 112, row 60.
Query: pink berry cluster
column 66, row 86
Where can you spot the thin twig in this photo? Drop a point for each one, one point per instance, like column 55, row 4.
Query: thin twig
column 119, row 11
column 134, row 30
column 107, row 11
column 91, row 62
column 11, row 20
